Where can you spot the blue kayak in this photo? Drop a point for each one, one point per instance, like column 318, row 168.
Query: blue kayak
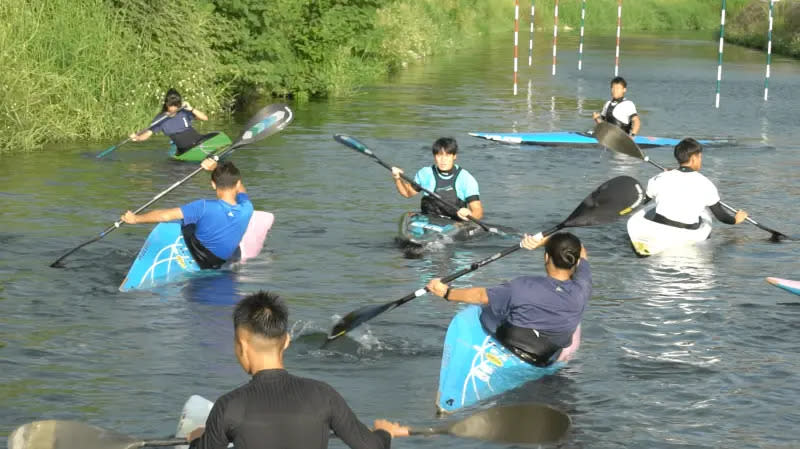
column 786, row 284
column 418, row 229
column 475, row 366
column 584, row 139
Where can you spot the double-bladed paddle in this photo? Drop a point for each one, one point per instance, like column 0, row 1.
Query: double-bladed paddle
column 355, row 144
column 269, row 120
column 615, row 139
column 114, row 147
column 512, row 424
column 608, row 202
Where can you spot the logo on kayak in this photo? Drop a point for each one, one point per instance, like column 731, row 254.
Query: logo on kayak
column 494, row 359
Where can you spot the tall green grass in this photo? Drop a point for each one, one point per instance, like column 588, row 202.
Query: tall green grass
column 749, row 27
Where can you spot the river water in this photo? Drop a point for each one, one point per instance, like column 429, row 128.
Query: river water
column 689, row 350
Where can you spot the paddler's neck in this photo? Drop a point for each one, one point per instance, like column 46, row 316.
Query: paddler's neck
column 261, row 362
column 227, row 195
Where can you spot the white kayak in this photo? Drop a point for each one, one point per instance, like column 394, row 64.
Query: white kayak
column 649, row 238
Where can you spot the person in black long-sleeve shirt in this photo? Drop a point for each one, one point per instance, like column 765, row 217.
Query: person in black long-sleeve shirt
column 276, row 409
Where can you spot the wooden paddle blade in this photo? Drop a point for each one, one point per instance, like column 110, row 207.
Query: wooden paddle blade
column 267, row 121
column 353, row 143
column 613, row 199
column 519, row 423
column 615, row 139
column 55, row 434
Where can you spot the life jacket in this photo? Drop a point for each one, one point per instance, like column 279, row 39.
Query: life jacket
column 445, row 188
column 528, row 344
column 609, row 117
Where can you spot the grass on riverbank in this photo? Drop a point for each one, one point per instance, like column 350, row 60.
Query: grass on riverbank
column 749, row 27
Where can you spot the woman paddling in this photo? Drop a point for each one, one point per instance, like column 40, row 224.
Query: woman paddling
column 177, row 125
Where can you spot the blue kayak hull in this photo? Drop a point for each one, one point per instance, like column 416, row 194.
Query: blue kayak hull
column 580, row 139
column 786, row 284
column 163, row 258
column 475, row 366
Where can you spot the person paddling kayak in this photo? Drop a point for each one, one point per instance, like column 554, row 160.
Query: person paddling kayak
column 619, row 110
column 682, row 195
column 212, row 229
column 177, row 125
column 453, row 183
column 534, row 316
column 277, row 409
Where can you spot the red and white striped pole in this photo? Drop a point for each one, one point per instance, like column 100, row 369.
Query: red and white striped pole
column 555, row 35
column 619, row 28
column 516, row 43
column 530, row 45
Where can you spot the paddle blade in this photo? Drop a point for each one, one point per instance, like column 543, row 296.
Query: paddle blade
column 613, row 199
column 266, row 122
column 54, row 434
column 615, row 139
column 353, row 143
column 110, row 149
column 520, row 424
column 358, row 317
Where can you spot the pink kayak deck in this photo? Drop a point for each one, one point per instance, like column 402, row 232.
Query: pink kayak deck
column 253, row 239
column 786, row 284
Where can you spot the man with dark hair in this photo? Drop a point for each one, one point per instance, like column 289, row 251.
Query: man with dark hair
column 212, row 229
column 534, row 316
column 619, row 110
column 453, row 183
column 681, row 195
column 276, row 409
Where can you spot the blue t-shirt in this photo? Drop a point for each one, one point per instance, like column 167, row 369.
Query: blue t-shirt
column 466, row 185
column 174, row 125
column 550, row 306
column 220, row 226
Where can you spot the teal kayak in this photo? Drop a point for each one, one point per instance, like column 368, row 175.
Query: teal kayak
column 576, row 139
column 216, row 141
column 786, row 284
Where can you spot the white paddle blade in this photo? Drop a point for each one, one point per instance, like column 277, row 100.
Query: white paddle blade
column 56, row 434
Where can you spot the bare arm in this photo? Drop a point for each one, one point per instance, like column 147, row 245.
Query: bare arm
column 636, row 124
column 142, row 136
column 472, row 295
column 402, row 186
column 154, row 216
column 476, row 209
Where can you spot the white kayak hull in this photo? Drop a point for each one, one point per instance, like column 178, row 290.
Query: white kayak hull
column 649, row 238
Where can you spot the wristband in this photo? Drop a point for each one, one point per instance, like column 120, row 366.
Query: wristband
column 447, row 294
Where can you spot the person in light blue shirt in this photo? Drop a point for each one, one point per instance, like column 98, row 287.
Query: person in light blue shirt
column 454, row 184
column 212, row 229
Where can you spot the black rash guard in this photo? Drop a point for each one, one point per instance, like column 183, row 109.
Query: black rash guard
column 277, row 410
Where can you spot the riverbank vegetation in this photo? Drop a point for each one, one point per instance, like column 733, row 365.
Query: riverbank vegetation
column 97, row 69
column 749, row 27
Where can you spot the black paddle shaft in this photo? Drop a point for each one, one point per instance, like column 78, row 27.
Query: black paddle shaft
column 355, row 144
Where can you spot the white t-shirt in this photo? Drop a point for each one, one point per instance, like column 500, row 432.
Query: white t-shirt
column 682, row 196
column 623, row 111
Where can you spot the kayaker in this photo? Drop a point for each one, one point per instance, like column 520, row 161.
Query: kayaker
column 619, row 110
column 178, row 124
column 277, row 409
column 681, row 195
column 534, row 316
column 212, row 229
column 453, row 183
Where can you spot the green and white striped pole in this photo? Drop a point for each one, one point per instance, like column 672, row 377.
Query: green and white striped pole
column 721, row 43
column 769, row 49
column 530, row 43
column 580, row 45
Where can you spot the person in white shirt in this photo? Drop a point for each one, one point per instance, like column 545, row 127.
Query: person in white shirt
column 682, row 194
column 619, row 110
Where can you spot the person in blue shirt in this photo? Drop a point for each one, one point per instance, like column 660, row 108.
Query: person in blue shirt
column 453, row 183
column 175, row 121
column 212, row 229
column 534, row 316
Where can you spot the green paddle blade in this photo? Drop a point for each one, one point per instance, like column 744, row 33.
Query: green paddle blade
column 267, row 121
column 55, row 434
column 614, row 138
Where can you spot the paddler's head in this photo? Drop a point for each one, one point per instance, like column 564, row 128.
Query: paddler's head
column 689, row 153
column 618, row 88
column 225, row 178
column 444, row 154
column 260, row 322
column 562, row 252
column 172, row 102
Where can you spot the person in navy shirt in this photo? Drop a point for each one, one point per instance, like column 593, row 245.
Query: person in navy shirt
column 175, row 122
column 534, row 316
column 453, row 183
column 212, row 229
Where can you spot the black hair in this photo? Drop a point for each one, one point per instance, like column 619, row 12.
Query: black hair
column 446, row 144
column 619, row 80
column 262, row 313
column 686, row 148
column 564, row 250
column 226, row 175
column 172, row 98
